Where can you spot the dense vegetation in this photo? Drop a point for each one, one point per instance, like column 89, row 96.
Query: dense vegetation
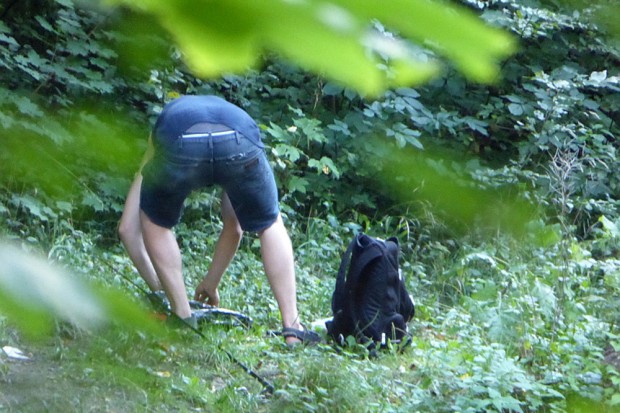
column 516, row 277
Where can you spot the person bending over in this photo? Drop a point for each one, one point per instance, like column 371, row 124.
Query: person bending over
column 198, row 142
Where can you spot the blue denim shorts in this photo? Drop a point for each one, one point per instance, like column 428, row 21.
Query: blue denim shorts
column 196, row 161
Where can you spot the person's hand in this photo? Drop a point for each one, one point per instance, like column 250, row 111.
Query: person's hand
column 208, row 292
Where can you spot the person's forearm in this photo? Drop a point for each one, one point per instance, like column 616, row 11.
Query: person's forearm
column 225, row 250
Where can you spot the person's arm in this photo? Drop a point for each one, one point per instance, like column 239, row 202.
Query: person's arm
column 225, row 250
column 148, row 154
column 130, row 229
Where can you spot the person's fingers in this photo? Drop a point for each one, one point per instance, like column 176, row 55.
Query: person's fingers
column 214, row 299
column 200, row 295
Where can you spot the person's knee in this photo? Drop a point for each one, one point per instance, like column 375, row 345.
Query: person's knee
column 232, row 226
column 276, row 227
column 126, row 229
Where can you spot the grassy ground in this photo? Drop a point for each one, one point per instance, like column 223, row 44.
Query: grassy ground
column 491, row 334
column 117, row 371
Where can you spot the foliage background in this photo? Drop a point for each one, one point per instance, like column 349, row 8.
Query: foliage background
column 513, row 314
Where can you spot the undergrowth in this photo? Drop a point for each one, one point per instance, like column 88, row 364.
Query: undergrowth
column 502, row 324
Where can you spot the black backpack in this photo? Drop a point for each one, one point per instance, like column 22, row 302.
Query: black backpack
column 370, row 301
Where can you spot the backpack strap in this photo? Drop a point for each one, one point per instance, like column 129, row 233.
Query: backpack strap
column 344, row 263
column 365, row 249
column 338, row 327
column 342, row 273
column 405, row 303
column 371, row 249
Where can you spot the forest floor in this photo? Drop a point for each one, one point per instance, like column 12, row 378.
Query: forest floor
column 56, row 381
column 116, row 371
column 49, row 382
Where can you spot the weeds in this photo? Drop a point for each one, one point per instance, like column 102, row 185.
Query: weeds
column 490, row 333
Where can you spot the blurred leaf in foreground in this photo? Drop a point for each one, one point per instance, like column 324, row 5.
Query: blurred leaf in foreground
column 33, row 294
column 431, row 176
column 336, row 39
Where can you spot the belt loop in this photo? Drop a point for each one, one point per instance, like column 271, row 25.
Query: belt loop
column 210, row 140
column 237, row 138
column 180, row 142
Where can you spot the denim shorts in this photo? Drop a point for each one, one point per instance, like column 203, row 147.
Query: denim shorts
column 196, row 161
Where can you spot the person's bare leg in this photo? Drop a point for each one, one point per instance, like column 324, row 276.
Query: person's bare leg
column 225, row 250
column 278, row 260
column 162, row 247
column 130, row 233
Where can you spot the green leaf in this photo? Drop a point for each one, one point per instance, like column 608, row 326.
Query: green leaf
column 458, row 33
column 545, row 297
column 598, row 77
column 609, row 226
column 91, row 199
column 34, row 207
column 44, row 23
column 329, row 38
column 289, row 152
column 33, row 292
column 297, row 184
column 64, row 206
column 8, row 40
column 23, row 104
column 412, row 176
column 27, row 106
column 325, row 166
column 331, row 89
column 493, row 393
column 515, row 109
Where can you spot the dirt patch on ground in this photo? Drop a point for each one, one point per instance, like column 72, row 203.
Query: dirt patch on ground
column 29, row 385
column 46, row 383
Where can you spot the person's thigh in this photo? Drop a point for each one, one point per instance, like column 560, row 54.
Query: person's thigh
column 250, row 184
column 165, row 186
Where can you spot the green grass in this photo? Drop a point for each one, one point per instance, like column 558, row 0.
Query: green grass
column 492, row 333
